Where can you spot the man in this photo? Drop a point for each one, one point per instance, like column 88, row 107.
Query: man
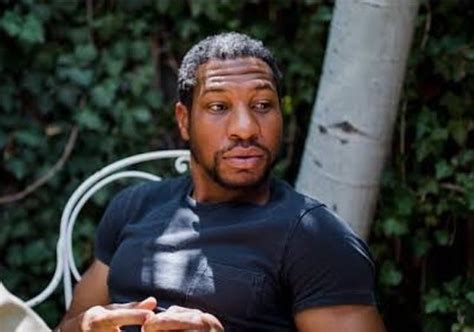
column 228, row 246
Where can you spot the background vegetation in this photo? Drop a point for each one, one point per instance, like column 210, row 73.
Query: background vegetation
column 85, row 83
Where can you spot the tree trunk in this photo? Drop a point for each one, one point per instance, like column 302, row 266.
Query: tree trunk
column 356, row 106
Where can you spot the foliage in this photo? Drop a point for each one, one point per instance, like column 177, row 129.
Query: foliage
column 455, row 298
column 421, row 235
column 109, row 67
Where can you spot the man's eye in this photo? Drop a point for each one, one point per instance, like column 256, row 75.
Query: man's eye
column 262, row 106
column 217, row 108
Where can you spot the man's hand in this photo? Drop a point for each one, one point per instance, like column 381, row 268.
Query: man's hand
column 182, row 319
column 111, row 317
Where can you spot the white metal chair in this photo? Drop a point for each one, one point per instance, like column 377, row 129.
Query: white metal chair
column 65, row 265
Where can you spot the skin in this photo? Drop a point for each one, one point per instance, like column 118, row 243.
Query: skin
column 234, row 130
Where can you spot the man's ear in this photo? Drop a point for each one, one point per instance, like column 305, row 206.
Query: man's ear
column 181, row 113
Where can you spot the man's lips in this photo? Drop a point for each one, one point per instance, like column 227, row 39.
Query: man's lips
column 243, row 153
column 244, row 158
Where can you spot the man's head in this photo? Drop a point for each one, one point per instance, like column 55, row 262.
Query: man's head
column 224, row 46
column 229, row 111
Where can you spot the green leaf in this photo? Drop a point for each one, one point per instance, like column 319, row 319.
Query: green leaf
column 287, row 105
column 114, row 66
column 426, row 120
column 324, row 14
column 442, row 237
column 458, row 131
column 443, row 170
column 197, row 7
column 17, row 166
column 81, row 77
column 110, row 25
column 140, row 79
column 7, row 97
column 470, row 297
column 162, row 6
column 390, row 275
column 89, row 119
column 79, row 35
column 437, row 304
column 141, row 114
column 138, row 28
column 188, row 27
column 431, row 186
column 120, row 49
column 32, row 30
column 394, row 227
column 66, row 60
column 431, row 220
column 85, row 53
column 424, row 149
column 42, row 11
column 29, row 137
column 68, row 95
column 420, row 246
column 140, row 50
column 405, row 204
column 33, row 83
column 469, row 54
column 11, row 22
column 440, row 134
column 154, row 98
column 36, row 251
column 103, row 95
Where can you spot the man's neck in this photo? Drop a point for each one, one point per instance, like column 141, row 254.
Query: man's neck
column 206, row 191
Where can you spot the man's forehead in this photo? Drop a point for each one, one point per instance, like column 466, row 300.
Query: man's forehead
column 248, row 68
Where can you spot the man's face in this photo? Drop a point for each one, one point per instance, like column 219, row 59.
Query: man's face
column 235, row 125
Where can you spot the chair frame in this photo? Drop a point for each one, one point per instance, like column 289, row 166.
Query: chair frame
column 65, row 265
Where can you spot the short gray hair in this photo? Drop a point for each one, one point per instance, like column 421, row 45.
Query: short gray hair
column 230, row 45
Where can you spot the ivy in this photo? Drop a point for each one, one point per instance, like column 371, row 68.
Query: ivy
column 111, row 70
column 421, row 233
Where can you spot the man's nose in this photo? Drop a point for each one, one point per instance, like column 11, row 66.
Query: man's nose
column 243, row 124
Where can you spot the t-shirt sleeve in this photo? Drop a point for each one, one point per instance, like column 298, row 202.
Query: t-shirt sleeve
column 111, row 225
column 326, row 263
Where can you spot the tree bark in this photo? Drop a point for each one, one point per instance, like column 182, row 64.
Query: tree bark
column 356, row 106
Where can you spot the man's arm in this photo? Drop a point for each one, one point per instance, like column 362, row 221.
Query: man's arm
column 90, row 310
column 340, row 318
column 91, row 290
column 90, row 307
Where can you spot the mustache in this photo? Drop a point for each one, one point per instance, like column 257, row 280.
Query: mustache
column 245, row 144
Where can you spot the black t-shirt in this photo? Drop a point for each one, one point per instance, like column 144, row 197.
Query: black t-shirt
column 251, row 266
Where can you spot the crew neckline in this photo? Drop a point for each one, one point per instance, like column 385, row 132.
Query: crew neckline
column 211, row 206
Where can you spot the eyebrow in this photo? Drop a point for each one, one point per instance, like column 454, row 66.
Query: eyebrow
column 265, row 86
column 259, row 86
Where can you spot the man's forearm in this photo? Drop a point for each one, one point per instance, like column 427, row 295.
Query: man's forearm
column 69, row 324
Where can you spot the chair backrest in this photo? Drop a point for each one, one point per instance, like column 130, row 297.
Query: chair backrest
column 65, row 264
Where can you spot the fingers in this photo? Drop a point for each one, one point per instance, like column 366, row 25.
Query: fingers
column 103, row 319
column 149, row 303
column 112, row 317
column 179, row 318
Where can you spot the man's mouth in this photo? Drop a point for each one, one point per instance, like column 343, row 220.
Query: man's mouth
column 244, row 157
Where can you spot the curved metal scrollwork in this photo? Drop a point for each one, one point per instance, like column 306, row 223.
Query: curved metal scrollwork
column 181, row 164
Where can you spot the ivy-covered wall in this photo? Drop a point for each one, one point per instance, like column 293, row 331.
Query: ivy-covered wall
column 423, row 236
column 85, row 83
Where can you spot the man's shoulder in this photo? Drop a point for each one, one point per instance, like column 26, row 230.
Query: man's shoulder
column 162, row 190
column 312, row 214
column 298, row 201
